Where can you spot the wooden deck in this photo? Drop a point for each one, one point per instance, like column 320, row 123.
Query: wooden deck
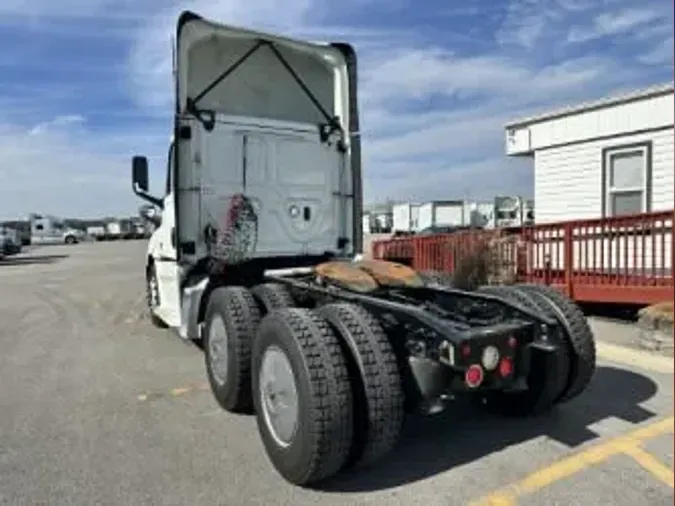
column 616, row 260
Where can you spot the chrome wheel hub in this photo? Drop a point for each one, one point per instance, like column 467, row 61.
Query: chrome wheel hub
column 218, row 352
column 278, row 395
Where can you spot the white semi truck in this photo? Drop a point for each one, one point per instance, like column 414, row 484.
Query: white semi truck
column 51, row 230
column 257, row 254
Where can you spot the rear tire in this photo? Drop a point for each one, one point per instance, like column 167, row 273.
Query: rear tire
column 272, row 296
column 232, row 317
column 579, row 338
column 376, row 382
column 318, row 445
column 544, row 386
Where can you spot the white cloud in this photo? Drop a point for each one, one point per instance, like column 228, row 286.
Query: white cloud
column 479, row 180
column 528, row 22
column 661, row 54
column 41, row 9
column 613, row 23
column 62, row 166
column 57, row 123
column 61, row 162
column 43, row 164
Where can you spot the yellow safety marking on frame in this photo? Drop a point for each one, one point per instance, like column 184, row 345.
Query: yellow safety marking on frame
column 626, row 444
column 635, row 358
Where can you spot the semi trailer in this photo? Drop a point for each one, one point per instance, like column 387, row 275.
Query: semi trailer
column 258, row 255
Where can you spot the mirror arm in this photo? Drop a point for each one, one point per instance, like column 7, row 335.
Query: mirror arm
column 153, row 200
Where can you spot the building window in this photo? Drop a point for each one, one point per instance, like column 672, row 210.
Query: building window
column 627, row 180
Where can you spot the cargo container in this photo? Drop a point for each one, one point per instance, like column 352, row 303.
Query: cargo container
column 441, row 213
column 405, row 218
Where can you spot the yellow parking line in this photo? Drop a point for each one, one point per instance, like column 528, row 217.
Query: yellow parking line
column 635, row 358
column 650, row 464
column 180, row 391
column 577, row 462
column 174, row 392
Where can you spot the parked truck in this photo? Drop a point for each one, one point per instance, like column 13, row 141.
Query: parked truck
column 96, row 232
column 405, row 218
column 10, row 241
column 508, row 211
column 136, row 228
column 444, row 213
column 51, row 230
column 258, row 255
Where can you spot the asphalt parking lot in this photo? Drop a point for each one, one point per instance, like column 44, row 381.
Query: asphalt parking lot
column 100, row 408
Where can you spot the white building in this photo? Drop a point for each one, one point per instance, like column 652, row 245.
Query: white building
column 604, row 158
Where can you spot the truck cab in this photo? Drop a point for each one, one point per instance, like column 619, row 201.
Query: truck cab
column 51, row 230
column 263, row 170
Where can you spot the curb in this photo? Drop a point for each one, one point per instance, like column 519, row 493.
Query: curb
column 655, row 333
column 634, row 357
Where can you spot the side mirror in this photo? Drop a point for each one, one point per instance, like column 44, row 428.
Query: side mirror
column 139, row 180
column 139, row 173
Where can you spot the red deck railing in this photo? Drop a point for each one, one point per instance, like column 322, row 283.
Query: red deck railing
column 617, row 260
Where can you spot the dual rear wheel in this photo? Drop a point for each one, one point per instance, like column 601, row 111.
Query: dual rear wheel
column 568, row 372
column 324, row 384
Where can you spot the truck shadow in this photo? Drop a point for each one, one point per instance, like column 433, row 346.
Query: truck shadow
column 31, row 260
column 462, row 434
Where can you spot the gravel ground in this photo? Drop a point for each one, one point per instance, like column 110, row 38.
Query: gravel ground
column 100, row 408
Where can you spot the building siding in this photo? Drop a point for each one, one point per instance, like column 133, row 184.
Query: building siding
column 568, row 179
column 631, row 117
column 638, row 116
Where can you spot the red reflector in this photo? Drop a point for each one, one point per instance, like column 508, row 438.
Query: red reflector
column 513, row 342
column 506, row 367
column 466, row 350
column 473, row 376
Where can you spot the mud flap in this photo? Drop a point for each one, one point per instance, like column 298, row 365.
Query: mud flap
column 543, row 357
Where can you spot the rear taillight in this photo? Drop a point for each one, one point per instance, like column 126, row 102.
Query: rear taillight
column 506, row 367
column 473, row 376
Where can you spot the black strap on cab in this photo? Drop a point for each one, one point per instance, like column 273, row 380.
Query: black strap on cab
column 208, row 117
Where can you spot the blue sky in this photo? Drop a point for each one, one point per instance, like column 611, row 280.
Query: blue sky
column 86, row 84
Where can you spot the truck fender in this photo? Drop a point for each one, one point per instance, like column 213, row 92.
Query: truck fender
column 194, row 298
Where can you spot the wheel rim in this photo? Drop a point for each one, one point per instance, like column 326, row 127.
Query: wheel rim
column 218, row 352
column 278, row 395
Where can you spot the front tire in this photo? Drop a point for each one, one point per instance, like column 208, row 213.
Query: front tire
column 302, row 395
column 232, row 317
